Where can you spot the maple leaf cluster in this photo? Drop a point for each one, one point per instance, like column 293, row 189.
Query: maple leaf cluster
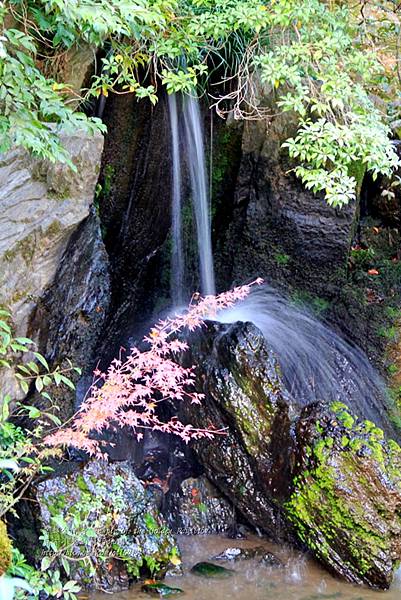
column 128, row 393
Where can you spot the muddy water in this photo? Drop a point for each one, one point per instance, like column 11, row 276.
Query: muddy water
column 301, row 579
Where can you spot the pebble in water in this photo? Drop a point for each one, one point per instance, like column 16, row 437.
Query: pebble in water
column 205, row 569
column 160, row 589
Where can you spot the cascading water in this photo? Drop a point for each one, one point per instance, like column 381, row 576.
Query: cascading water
column 316, row 363
column 177, row 256
column 194, row 154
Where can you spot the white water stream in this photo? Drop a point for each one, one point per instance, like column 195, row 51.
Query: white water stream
column 190, row 133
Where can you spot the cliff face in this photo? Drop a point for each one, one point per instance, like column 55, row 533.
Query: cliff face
column 41, row 206
column 278, row 229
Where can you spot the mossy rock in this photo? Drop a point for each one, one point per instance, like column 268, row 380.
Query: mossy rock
column 160, row 589
column 5, row 549
column 206, row 569
column 103, row 511
column 346, row 500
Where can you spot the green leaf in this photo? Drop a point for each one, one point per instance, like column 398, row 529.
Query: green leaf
column 42, row 360
column 39, row 384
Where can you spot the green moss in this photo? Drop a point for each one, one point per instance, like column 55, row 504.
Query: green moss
column 357, row 170
column 5, row 549
column 81, row 483
column 305, row 299
column 225, row 154
column 321, row 507
column 54, row 229
column 24, row 248
column 282, row 259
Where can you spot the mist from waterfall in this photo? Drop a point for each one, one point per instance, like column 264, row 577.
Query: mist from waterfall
column 193, row 153
column 316, row 363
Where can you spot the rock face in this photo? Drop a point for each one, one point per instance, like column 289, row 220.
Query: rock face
column 78, row 299
column 314, row 474
column 102, row 519
column 41, row 204
column 279, row 230
column 69, row 318
column 244, row 394
column 346, row 500
column 135, row 210
column 199, row 509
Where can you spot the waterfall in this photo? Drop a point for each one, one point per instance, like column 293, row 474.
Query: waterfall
column 195, row 153
column 316, row 363
column 194, row 156
column 177, row 253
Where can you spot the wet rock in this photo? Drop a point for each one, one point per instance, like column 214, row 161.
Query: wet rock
column 346, row 500
column 237, row 532
column 234, row 554
column 160, row 589
column 103, row 512
column 243, row 393
column 205, row 569
column 278, row 229
column 69, row 318
column 199, row 508
column 270, row 560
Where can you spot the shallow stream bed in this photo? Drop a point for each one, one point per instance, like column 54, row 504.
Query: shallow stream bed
column 300, row 579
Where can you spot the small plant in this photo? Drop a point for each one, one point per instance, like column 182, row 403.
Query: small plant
column 23, row 457
column 282, row 259
column 392, row 369
column 390, row 333
column 362, row 257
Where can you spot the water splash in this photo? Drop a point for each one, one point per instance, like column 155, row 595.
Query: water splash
column 316, row 363
column 177, row 255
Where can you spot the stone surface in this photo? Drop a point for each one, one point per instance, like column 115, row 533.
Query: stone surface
column 243, row 393
column 69, row 318
column 76, row 68
column 129, row 536
column 41, row 204
column 234, row 553
column 199, row 508
column 160, row 589
column 279, row 230
column 209, row 570
column 346, row 499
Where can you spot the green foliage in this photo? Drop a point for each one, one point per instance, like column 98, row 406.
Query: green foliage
column 312, row 57
column 32, row 112
column 324, row 76
column 22, row 456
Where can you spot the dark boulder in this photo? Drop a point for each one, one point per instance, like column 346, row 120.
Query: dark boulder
column 244, row 394
column 346, row 499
